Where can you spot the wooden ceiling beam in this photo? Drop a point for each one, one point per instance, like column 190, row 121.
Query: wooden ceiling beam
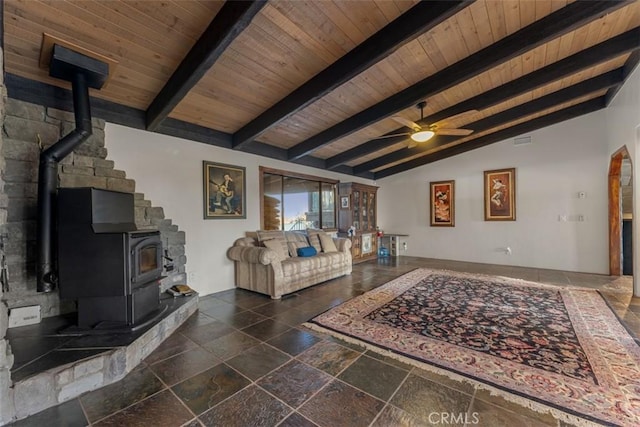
column 530, row 126
column 51, row 96
column 193, row 132
column 550, row 27
column 602, row 52
column 231, row 20
column 630, row 65
column 419, row 19
column 603, row 81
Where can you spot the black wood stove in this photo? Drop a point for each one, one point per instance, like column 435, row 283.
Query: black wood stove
column 111, row 268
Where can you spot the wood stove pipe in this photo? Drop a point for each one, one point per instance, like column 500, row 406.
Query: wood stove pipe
column 83, row 72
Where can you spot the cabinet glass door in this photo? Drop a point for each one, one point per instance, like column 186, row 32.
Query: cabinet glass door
column 372, row 210
column 365, row 210
column 356, row 210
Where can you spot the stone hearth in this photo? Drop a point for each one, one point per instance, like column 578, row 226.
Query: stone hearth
column 51, row 368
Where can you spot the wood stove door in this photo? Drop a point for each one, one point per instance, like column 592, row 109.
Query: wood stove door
column 146, row 260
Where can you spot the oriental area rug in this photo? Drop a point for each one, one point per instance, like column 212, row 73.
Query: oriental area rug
column 553, row 349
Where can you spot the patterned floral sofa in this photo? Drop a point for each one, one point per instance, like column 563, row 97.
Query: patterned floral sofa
column 267, row 261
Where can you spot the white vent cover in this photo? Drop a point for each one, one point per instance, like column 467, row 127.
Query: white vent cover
column 523, row 140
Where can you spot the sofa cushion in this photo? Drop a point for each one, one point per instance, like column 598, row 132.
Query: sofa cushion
column 327, row 243
column 307, row 251
column 276, row 246
column 309, row 265
column 277, row 235
column 296, row 236
column 314, row 240
column 270, row 234
column 293, row 247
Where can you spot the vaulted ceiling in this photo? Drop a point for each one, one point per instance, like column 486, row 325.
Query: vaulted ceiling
column 327, row 83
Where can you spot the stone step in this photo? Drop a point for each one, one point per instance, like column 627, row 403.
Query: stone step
column 60, row 384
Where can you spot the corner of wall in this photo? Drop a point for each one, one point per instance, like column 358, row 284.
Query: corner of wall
column 7, row 408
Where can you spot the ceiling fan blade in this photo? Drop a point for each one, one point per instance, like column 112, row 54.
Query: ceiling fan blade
column 406, row 122
column 454, row 132
column 412, row 143
column 392, row 136
column 464, row 114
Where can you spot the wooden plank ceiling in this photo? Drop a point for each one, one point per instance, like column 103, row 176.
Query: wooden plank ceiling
column 319, row 82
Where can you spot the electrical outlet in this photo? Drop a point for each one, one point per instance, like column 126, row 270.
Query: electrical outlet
column 193, row 277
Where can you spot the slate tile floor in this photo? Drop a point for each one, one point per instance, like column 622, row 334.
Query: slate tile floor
column 245, row 360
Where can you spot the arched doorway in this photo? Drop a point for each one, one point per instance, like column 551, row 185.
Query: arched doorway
column 619, row 168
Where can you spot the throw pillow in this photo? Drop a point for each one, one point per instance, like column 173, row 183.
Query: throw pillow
column 276, row 246
column 327, row 243
column 314, row 240
column 293, row 248
column 277, row 235
column 306, row 252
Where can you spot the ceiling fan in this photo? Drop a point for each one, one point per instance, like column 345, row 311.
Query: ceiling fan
column 425, row 133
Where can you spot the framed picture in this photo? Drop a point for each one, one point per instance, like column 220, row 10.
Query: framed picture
column 500, row 195
column 344, row 202
column 442, row 207
column 367, row 243
column 224, row 191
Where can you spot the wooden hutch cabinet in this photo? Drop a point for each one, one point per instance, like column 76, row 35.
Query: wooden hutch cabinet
column 357, row 206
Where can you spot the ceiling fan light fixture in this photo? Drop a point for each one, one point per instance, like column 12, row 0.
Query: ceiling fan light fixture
column 422, row 136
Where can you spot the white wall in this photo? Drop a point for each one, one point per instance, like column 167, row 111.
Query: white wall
column 168, row 171
column 623, row 129
column 562, row 160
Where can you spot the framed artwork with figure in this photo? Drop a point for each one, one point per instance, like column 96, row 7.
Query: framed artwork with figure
column 224, row 191
column 344, row 202
column 500, row 195
column 442, row 203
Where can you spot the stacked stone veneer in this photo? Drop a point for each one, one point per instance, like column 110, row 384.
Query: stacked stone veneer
column 27, row 129
column 6, row 357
